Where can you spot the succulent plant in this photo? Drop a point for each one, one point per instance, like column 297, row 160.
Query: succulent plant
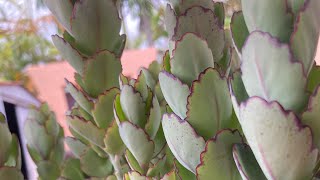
column 92, row 45
column 275, row 94
column 138, row 114
column 45, row 143
column 10, row 153
column 200, row 131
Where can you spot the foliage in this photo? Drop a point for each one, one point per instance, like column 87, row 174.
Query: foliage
column 219, row 120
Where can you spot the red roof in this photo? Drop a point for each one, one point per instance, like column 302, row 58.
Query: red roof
column 48, row 79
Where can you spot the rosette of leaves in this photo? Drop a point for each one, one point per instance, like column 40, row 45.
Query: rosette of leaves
column 138, row 114
column 93, row 47
column 45, row 142
column 10, row 153
column 275, row 94
column 198, row 131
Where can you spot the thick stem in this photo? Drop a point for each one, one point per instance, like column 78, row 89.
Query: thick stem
column 115, row 160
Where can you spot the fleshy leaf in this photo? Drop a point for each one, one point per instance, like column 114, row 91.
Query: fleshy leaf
column 133, row 175
column 266, row 67
column 209, row 104
column 137, row 141
column 87, row 130
column 268, row 16
column 62, row 10
column 246, row 162
column 14, row 158
column 112, row 140
column 79, row 97
column 155, row 169
column 103, row 108
column 216, row 160
column 133, row 163
column 71, row 170
column 304, row 40
column 191, row 56
column 313, row 78
column 10, row 173
column 311, row 116
column 101, row 73
column 38, row 138
column 185, row 144
column 5, row 139
column 238, row 92
column 69, row 53
column 170, row 20
column 77, row 147
column 204, row 23
column 94, row 165
column 133, row 106
column 175, row 93
column 182, row 172
column 48, row 169
column 95, row 25
column 154, row 118
column 266, row 124
column 239, row 30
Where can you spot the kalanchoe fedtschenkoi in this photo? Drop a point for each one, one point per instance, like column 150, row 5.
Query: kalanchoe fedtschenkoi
column 277, row 45
column 197, row 92
column 138, row 114
column 10, row 153
column 93, row 46
column 45, row 142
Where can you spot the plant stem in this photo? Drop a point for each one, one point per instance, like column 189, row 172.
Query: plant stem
column 115, row 160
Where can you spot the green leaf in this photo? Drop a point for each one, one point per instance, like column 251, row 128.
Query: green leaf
column 62, row 10
column 170, row 176
column 101, row 73
column 71, row 170
column 94, row 165
column 103, row 108
column 79, row 97
column 313, row 78
column 266, row 67
column 246, row 162
column 155, row 168
column 311, row 116
column 141, row 86
column 69, row 53
column 266, row 124
column 10, row 173
column 216, row 160
column 14, row 158
column 136, row 176
column 137, row 141
column 170, row 20
column 76, row 146
column 237, row 91
column 166, row 62
column 133, row 163
column 185, row 144
column 175, row 93
column 304, row 40
column 268, row 16
column 38, row 138
column 48, row 170
column 133, row 106
column 117, row 110
column 191, row 56
column 154, row 70
column 239, row 30
column 112, row 140
column 209, row 104
column 88, row 130
column 182, row 172
column 96, row 25
column 5, row 140
column 154, row 118
column 206, row 25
